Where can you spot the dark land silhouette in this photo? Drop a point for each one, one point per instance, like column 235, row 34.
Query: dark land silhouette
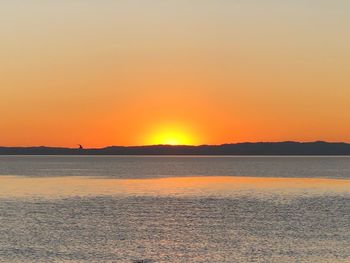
column 259, row 148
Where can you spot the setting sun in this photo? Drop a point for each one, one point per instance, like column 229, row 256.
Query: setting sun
column 170, row 135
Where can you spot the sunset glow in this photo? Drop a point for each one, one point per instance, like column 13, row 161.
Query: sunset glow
column 102, row 74
column 174, row 131
column 170, row 135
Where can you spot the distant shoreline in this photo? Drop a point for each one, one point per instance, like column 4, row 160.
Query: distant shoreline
column 318, row 148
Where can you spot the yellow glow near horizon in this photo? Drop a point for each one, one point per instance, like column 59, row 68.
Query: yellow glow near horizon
column 171, row 135
column 214, row 72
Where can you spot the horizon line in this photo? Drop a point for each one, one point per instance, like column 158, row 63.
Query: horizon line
column 178, row 145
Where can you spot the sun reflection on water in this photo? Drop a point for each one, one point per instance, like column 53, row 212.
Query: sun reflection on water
column 11, row 186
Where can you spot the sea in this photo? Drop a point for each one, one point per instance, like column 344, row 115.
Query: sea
column 186, row 209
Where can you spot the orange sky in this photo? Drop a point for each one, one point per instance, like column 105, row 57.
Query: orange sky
column 135, row 72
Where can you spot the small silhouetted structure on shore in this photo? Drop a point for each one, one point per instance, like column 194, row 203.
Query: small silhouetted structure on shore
column 81, row 147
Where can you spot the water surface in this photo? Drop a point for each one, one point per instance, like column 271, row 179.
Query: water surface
column 174, row 209
column 175, row 166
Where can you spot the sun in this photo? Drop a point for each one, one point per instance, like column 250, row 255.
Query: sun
column 171, row 135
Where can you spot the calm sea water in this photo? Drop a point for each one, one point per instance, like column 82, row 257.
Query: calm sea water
column 174, row 209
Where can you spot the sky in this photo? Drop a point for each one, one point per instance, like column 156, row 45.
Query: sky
column 127, row 72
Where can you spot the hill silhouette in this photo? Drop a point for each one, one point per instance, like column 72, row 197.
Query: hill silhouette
column 259, row 148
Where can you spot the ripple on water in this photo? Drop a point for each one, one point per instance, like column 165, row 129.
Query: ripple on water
column 173, row 229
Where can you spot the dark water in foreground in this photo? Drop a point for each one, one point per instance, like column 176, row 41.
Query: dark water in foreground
column 175, row 209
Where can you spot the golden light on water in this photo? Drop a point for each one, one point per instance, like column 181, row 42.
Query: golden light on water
column 58, row 187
